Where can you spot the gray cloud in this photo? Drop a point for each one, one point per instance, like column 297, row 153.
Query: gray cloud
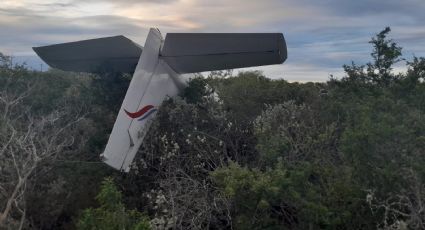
column 126, row 2
column 359, row 8
column 29, row 29
column 56, row 5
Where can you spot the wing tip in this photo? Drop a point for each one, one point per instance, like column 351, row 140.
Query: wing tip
column 283, row 51
column 39, row 51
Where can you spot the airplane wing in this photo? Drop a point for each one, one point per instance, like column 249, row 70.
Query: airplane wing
column 113, row 54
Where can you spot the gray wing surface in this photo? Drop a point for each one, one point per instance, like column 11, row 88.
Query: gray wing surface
column 198, row 52
column 112, row 54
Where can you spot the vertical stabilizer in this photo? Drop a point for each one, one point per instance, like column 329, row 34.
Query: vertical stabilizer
column 152, row 82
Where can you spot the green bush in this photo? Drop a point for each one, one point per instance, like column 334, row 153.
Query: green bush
column 111, row 215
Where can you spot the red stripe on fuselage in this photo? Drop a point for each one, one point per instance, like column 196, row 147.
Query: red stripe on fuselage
column 140, row 112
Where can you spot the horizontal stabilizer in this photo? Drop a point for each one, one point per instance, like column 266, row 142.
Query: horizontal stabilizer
column 198, row 52
column 109, row 54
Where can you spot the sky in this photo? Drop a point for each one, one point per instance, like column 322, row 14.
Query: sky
column 321, row 35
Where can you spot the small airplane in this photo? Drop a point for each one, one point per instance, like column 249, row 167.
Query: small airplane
column 161, row 69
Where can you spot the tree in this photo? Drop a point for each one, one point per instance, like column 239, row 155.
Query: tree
column 39, row 124
column 27, row 140
column 385, row 54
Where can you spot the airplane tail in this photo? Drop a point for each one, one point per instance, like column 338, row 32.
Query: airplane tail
column 157, row 74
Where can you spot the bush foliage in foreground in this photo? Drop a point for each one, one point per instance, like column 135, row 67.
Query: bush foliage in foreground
column 111, row 214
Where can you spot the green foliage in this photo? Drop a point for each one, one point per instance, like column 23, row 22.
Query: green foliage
column 287, row 197
column 196, row 90
column 356, row 151
column 246, row 95
column 294, row 133
column 109, row 89
column 242, row 151
column 111, row 214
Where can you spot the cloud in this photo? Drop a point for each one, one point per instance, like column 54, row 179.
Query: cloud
column 321, row 35
column 296, row 72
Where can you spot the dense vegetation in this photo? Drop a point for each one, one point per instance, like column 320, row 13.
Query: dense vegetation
column 232, row 152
